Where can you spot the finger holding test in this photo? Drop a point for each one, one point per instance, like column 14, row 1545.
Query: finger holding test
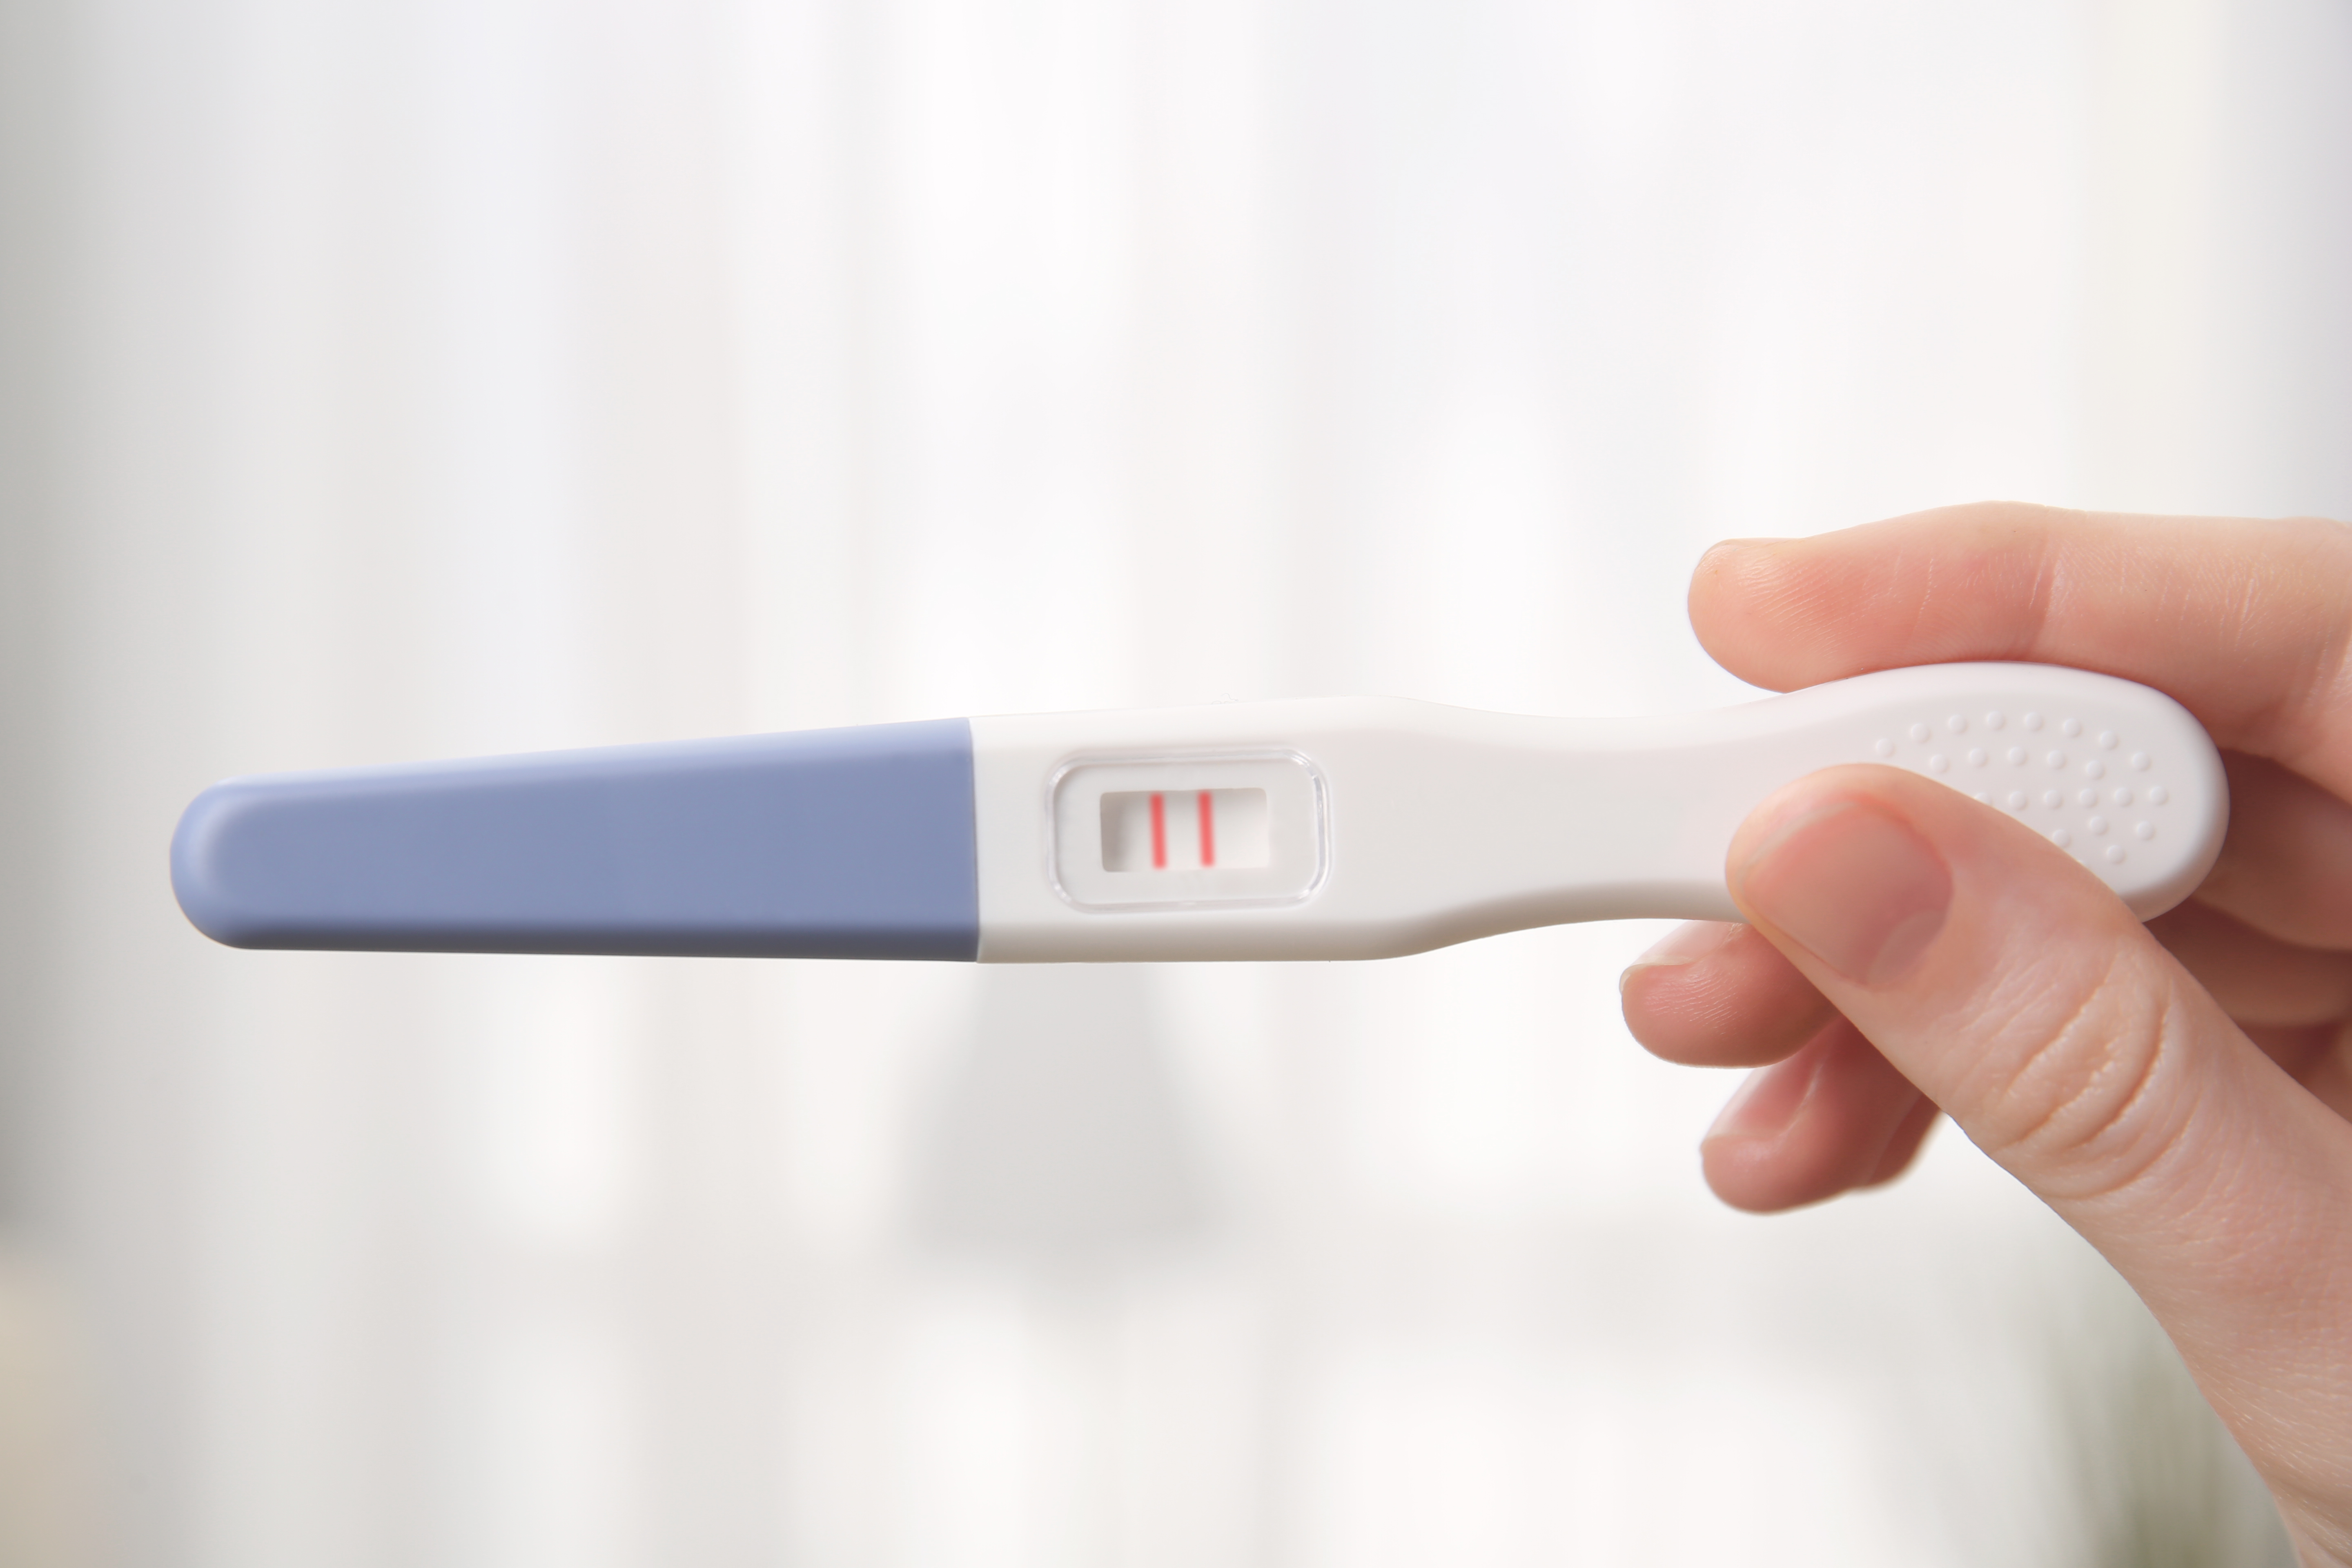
column 2246, row 622
column 2287, row 861
column 2013, row 988
column 1824, row 1113
column 1715, row 994
column 1992, row 973
column 2256, row 978
column 2252, row 638
column 1834, row 1116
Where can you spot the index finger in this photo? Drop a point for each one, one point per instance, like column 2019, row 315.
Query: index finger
column 2246, row 622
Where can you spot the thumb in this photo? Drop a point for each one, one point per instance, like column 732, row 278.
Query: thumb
column 2015, row 990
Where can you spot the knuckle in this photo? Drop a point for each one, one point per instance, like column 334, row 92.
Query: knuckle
column 2081, row 1101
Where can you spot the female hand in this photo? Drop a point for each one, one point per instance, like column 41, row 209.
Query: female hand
column 2177, row 1093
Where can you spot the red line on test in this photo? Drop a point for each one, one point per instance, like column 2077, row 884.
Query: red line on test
column 1159, row 833
column 1208, row 831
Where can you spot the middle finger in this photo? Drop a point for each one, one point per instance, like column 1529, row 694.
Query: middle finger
column 2258, row 979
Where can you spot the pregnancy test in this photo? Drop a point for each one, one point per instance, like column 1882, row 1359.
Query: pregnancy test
column 1348, row 827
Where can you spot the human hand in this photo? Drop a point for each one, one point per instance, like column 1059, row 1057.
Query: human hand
column 2177, row 1093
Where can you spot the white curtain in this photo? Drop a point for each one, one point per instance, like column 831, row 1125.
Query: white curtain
column 388, row 381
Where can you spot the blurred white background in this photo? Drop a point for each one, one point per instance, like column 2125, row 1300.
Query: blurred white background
column 389, row 379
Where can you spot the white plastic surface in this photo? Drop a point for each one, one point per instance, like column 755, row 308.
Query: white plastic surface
column 1392, row 827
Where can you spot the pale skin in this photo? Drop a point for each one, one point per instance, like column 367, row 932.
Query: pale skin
column 2177, row 1093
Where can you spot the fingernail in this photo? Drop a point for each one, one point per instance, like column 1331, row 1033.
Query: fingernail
column 1686, row 943
column 1857, row 888
column 1763, row 1105
column 1722, row 546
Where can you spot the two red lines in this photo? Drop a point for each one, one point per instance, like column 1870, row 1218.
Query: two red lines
column 1160, row 831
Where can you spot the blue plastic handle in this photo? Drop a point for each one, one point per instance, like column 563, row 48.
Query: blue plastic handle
column 821, row 843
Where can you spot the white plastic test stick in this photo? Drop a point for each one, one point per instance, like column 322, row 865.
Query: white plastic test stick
column 1353, row 827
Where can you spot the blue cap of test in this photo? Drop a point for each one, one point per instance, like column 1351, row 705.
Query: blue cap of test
column 853, row 843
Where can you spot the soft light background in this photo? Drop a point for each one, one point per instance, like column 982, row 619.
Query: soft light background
column 392, row 379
